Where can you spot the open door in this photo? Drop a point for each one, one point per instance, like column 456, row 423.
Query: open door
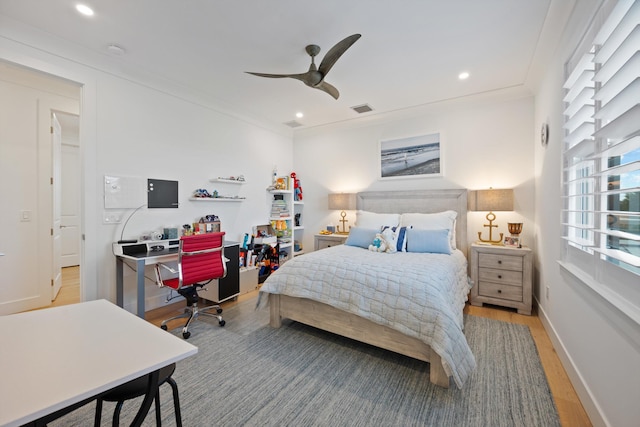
column 71, row 189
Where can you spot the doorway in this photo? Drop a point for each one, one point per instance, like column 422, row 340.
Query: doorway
column 28, row 100
column 70, row 210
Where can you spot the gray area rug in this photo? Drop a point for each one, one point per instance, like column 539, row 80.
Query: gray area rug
column 248, row 374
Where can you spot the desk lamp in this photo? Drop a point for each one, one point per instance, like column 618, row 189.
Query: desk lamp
column 491, row 200
column 344, row 202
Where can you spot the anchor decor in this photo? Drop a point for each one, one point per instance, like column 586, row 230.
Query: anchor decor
column 491, row 200
column 490, row 217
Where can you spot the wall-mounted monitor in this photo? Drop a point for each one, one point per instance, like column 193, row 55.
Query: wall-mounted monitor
column 162, row 193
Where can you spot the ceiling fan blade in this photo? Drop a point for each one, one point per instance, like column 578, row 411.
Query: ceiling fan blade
column 336, row 52
column 275, row 76
column 309, row 78
column 326, row 87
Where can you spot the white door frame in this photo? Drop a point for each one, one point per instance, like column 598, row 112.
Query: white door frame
column 87, row 81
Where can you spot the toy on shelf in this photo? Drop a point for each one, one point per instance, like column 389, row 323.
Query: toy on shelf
column 297, row 188
column 201, row 193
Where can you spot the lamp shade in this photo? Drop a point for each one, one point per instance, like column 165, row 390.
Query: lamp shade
column 490, row 200
column 342, row 201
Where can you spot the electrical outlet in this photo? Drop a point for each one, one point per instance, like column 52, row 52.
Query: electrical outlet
column 111, row 217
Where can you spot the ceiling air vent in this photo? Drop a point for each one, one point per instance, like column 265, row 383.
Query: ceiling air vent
column 293, row 124
column 364, row 108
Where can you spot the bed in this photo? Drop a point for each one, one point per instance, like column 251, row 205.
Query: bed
column 409, row 303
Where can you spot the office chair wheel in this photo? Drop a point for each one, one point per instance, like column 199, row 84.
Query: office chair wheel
column 186, row 335
column 219, row 310
column 222, row 323
column 163, row 327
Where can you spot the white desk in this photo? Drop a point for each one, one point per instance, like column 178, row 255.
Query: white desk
column 142, row 259
column 59, row 357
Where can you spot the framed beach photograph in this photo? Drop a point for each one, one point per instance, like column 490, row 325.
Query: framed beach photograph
column 411, row 157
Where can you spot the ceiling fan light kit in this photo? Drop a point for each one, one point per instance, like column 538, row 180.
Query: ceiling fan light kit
column 314, row 77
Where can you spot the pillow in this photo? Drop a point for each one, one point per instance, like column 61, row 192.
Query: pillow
column 366, row 219
column 399, row 237
column 433, row 241
column 433, row 221
column 361, row 237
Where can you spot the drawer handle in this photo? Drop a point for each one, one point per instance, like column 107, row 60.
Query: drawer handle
column 499, row 276
column 500, row 261
column 499, row 291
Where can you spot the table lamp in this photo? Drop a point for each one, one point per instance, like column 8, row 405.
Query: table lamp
column 490, row 200
column 343, row 202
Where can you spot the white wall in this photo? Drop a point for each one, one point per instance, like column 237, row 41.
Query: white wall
column 146, row 133
column 486, row 142
column 599, row 346
column 134, row 128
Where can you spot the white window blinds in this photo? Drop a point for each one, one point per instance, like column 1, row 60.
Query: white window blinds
column 601, row 159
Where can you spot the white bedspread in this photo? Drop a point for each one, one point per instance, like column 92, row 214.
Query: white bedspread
column 419, row 294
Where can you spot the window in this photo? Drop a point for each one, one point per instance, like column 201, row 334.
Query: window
column 601, row 158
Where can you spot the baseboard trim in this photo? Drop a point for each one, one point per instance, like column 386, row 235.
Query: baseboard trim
column 582, row 389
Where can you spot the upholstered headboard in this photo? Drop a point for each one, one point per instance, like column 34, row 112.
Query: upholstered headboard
column 420, row 201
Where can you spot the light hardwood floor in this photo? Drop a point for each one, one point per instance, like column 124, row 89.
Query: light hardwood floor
column 571, row 412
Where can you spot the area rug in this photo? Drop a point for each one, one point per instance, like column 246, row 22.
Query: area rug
column 249, row 374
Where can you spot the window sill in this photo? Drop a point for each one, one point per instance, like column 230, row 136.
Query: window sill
column 613, row 298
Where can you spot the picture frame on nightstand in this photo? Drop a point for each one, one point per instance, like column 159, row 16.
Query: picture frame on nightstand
column 512, row 241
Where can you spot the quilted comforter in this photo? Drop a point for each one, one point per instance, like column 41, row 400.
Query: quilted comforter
column 421, row 295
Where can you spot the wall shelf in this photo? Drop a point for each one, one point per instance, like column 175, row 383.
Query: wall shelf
column 228, row 181
column 217, row 199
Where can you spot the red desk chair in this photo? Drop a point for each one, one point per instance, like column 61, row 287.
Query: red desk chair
column 200, row 260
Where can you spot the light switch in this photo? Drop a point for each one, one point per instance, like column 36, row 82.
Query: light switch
column 25, row 216
column 111, row 217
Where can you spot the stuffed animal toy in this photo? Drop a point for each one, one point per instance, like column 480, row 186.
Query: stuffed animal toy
column 390, row 238
column 384, row 242
column 377, row 242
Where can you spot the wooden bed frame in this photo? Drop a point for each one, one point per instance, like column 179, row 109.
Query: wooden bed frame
column 325, row 317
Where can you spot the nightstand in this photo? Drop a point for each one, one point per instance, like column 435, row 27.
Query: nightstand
column 322, row 241
column 502, row 275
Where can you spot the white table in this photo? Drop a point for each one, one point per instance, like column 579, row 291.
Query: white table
column 59, row 357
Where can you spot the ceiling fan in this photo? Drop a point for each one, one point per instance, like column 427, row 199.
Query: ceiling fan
column 315, row 76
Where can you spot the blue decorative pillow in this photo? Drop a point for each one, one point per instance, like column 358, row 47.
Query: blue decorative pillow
column 434, row 241
column 400, row 237
column 361, row 237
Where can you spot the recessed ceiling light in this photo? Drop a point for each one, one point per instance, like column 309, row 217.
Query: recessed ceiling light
column 463, row 76
column 85, row 10
column 115, row 49
column 299, row 115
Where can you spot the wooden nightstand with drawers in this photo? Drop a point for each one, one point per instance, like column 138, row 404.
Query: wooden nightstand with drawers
column 322, row 241
column 502, row 276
